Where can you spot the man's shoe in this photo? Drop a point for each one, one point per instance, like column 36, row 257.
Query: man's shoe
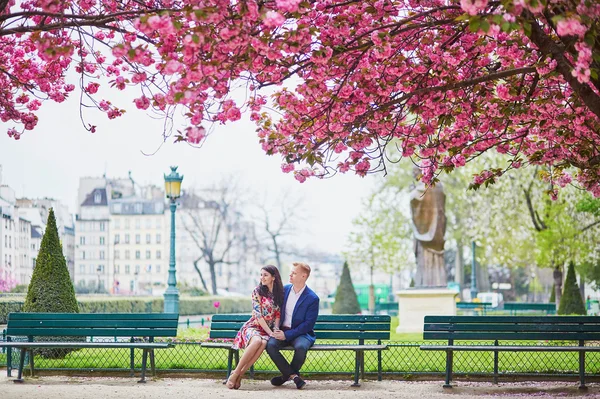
column 299, row 382
column 279, row 380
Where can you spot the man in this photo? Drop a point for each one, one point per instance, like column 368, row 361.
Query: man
column 298, row 316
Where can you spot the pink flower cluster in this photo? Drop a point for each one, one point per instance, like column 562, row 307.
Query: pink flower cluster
column 472, row 7
column 570, row 26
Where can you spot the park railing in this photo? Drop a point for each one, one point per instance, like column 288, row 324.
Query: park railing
column 403, row 358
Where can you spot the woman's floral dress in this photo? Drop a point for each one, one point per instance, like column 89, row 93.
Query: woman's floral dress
column 262, row 306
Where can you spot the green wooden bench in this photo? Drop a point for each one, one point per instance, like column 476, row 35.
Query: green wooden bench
column 475, row 306
column 516, row 307
column 569, row 334
column 125, row 328
column 329, row 328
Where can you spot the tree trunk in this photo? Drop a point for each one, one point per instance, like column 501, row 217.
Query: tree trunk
column 200, row 274
column 582, row 287
column 558, row 280
column 213, row 277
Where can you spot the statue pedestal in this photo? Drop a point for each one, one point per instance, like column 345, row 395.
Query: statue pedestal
column 414, row 304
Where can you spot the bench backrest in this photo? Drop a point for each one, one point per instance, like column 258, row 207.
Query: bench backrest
column 93, row 324
column 564, row 328
column 468, row 305
column 548, row 307
column 329, row 327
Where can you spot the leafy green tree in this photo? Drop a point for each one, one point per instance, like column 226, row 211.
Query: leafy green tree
column 571, row 301
column 381, row 238
column 50, row 289
column 346, row 301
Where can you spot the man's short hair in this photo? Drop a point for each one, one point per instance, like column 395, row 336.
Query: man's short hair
column 303, row 266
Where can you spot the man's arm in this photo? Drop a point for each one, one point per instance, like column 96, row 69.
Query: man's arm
column 312, row 312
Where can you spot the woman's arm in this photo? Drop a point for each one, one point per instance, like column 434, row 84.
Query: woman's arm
column 265, row 326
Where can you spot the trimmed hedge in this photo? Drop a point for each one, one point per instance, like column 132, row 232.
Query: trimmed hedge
column 188, row 306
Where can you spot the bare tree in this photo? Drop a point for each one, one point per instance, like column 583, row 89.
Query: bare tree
column 279, row 222
column 213, row 219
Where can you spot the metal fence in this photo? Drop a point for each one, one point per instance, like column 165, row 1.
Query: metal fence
column 403, row 358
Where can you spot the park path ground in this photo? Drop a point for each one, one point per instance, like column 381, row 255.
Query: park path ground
column 63, row 387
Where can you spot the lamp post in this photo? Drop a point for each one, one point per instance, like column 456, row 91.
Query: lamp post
column 172, row 191
column 473, row 272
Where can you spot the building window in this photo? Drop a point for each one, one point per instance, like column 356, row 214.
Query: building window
column 82, row 269
column 102, row 226
column 137, row 269
column 127, row 223
column 82, row 254
column 148, row 254
column 92, row 269
column 127, row 269
column 126, row 254
column 148, row 238
column 158, row 223
column 117, row 269
column 101, row 254
column 97, row 198
column 82, row 240
column 157, row 268
column 158, row 254
column 137, row 255
column 100, row 269
column 149, row 269
column 126, row 238
column 138, row 223
column 117, row 238
column 138, row 239
column 148, row 223
column 158, row 238
column 117, row 254
column 118, row 223
column 5, row 241
column 101, row 240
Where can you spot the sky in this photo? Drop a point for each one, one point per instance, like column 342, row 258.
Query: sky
column 48, row 162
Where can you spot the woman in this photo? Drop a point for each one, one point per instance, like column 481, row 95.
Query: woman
column 267, row 299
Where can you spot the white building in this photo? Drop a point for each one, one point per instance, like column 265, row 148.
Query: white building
column 121, row 238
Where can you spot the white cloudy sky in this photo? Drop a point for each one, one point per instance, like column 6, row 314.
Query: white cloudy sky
column 49, row 161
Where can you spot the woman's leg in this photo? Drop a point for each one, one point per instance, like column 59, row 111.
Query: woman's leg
column 257, row 354
column 244, row 364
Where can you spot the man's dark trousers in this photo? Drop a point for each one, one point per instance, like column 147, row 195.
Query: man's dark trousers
column 301, row 346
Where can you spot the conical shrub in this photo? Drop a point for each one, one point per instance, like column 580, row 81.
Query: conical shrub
column 571, row 301
column 346, row 301
column 51, row 289
column 553, row 294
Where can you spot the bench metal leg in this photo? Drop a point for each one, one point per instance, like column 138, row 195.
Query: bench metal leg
column 8, row 359
column 496, row 364
column 229, row 362
column 144, row 359
column 362, row 365
column 251, row 371
column 379, row 365
column 152, row 362
column 131, row 361
column 21, row 364
column 582, row 368
column 449, row 358
column 356, row 369
column 31, row 367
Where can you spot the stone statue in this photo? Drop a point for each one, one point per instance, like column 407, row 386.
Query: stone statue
column 427, row 206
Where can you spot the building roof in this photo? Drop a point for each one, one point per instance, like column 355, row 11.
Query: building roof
column 96, row 198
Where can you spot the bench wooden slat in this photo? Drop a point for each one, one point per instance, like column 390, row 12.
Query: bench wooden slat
column 318, row 326
column 523, row 348
column 321, row 318
column 516, row 327
column 370, row 335
column 104, row 345
column 514, row 319
column 318, row 347
column 91, row 323
column 96, row 332
column 93, row 316
column 483, row 335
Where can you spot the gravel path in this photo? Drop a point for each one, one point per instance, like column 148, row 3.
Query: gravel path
column 63, row 387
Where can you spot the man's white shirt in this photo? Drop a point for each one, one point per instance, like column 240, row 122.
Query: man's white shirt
column 290, row 305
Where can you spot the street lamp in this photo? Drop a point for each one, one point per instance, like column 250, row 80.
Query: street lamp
column 172, row 191
column 473, row 272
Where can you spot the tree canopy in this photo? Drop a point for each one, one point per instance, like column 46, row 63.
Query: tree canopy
column 449, row 80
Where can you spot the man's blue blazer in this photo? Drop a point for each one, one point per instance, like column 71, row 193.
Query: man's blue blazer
column 304, row 316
